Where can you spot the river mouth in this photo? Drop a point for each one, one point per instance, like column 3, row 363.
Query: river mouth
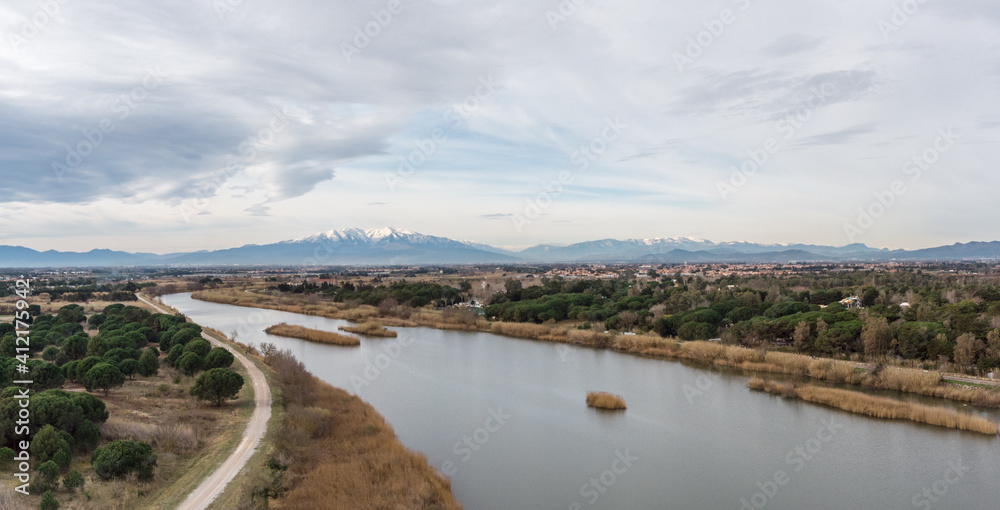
column 507, row 420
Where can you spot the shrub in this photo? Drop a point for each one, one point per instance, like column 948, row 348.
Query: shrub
column 48, row 475
column 47, row 443
column 73, row 480
column 175, row 353
column 123, row 457
column 50, row 353
column 87, row 436
column 6, row 457
column 49, row 501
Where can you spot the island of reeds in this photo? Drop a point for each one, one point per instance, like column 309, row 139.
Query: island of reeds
column 369, row 329
column 604, row 400
column 312, row 335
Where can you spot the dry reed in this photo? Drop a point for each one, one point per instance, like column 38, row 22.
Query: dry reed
column 879, row 407
column 603, row 400
column 312, row 335
column 369, row 329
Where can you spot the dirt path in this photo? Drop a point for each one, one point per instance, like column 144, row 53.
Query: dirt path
column 213, row 485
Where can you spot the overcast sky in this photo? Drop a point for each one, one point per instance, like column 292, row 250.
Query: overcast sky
column 185, row 125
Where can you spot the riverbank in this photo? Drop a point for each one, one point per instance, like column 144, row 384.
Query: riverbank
column 759, row 360
column 328, row 449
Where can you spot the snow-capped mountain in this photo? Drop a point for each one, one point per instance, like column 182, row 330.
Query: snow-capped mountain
column 392, row 246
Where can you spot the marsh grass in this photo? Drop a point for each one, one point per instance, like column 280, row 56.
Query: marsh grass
column 604, row 400
column 312, row 335
column 878, row 407
column 369, row 329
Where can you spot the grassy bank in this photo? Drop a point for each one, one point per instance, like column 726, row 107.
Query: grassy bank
column 878, row 407
column 369, row 329
column 604, row 400
column 312, row 335
column 331, row 450
column 908, row 380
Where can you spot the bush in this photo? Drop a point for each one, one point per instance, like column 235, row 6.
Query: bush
column 174, row 354
column 122, row 457
column 49, row 501
column 48, row 475
column 50, row 353
column 6, row 457
column 47, row 444
column 73, row 480
column 87, row 436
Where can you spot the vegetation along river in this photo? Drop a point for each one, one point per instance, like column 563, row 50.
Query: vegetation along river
column 506, row 420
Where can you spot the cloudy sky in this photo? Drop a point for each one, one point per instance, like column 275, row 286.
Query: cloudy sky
column 184, row 125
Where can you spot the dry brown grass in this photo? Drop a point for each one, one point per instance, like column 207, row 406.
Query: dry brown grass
column 879, row 407
column 369, row 329
column 170, row 436
column 312, row 335
column 604, row 400
column 530, row 331
column 342, row 454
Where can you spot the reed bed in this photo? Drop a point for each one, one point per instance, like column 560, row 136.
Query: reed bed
column 369, row 329
column 312, row 335
column 878, row 407
column 529, row 331
column 604, row 400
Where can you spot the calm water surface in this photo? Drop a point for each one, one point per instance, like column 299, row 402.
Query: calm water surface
column 506, row 419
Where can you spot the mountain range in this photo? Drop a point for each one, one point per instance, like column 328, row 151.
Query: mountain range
column 391, row 246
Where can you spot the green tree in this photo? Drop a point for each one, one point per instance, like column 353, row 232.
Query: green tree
column 129, row 367
column 6, row 457
column 199, row 346
column 50, row 353
column 46, row 375
column 73, row 480
column 219, row 357
column 149, row 362
column 103, row 376
column 75, row 346
column 175, row 353
column 190, row 363
column 49, row 501
column 217, row 385
column 48, row 476
column 47, row 443
column 87, row 436
column 122, row 457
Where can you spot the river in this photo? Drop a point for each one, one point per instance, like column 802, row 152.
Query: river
column 506, row 420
